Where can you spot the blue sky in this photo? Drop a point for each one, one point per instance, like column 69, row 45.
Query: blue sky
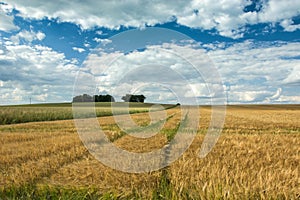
column 253, row 46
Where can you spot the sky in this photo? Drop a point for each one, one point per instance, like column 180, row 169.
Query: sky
column 198, row 51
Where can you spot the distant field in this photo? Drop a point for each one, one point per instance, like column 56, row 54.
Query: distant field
column 256, row 157
column 60, row 111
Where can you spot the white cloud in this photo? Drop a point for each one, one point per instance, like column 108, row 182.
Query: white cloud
column 261, row 59
column 277, row 94
column 28, row 36
column 34, row 71
column 275, row 11
column 80, row 50
column 16, row 94
column 102, row 41
column 7, row 20
column 7, row 24
column 248, row 93
column 259, row 71
column 287, row 24
column 87, row 45
column 294, row 76
column 99, row 32
column 289, row 99
column 162, row 65
column 41, row 97
column 253, row 72
column 40, row 36
column 110, row 14
column 226, row 16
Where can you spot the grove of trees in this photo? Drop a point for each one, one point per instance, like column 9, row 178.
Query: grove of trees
column 104, row 98
column 95, row 98
column 108, row 98
column 134, row 98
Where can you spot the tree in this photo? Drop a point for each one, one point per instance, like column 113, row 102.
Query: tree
column 134, row 98
column 95, row 98
column 83, row 98
column 104, row 98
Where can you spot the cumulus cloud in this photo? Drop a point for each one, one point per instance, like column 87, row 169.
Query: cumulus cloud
column 165, row 68
column 225, row 16
column 6, row 18
column 228, row 17
column 80, row 50
column 28, row 36
column 102, row 41
column 277, row 94
column 34, row 71
column 289, row 99
column 294, row 77
column 253, row 71
column 111, row 14
column 288, row 25
column 275, row 11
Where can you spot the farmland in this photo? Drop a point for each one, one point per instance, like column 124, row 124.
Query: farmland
column 51, row 112
column 256, row 157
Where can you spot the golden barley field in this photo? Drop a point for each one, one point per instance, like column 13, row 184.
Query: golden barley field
column 256, row 157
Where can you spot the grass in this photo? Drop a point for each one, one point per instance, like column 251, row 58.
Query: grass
column 29, row 192
column 256, row 157
column 63, row 111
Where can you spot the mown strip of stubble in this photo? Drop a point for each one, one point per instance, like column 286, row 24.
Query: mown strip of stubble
column 21, row 137
column 91, row 173
column 14, row 154
column 30, row 171
column 35, row 159
column 35, row 131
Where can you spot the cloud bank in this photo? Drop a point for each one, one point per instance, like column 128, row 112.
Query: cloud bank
column 34, row 71
column 228, row 17
column 252, row 72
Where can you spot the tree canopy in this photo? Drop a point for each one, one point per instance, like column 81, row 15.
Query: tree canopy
column 95, row 98
column 134, row 98
column 104, row 98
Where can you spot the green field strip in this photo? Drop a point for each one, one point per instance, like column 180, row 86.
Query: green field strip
column 51, row 112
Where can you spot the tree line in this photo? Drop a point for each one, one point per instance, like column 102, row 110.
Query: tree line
column 108, row 98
